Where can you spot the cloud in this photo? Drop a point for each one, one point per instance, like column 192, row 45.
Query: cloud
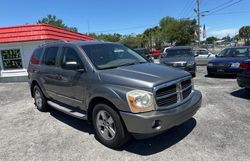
column 223, row 32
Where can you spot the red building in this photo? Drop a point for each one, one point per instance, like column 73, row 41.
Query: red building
column 18, row 42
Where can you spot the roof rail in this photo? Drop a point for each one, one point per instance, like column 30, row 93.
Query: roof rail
column 54, row 42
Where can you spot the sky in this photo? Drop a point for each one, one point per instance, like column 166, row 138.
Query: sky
column 125, row 16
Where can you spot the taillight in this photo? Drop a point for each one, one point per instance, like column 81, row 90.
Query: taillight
column 244, row 66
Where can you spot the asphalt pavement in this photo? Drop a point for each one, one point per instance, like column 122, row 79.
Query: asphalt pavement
column 219, row 131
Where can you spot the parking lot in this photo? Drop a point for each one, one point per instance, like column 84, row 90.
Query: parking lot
column 219, row 131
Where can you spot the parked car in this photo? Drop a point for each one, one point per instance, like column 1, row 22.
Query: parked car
column 181, row 57
column 243, row 77
column 228, row 61
column 144, row 53
column 112, row 87
column 164, row 49
column 155, row 53
column 202, row 56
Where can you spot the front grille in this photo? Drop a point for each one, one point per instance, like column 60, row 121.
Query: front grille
column 166, row 90
column 173, row 93
column 167, row 101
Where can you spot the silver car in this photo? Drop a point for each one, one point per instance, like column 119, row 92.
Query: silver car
column 202, row 56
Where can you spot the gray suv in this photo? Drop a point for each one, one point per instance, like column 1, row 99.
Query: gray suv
column 119, row 92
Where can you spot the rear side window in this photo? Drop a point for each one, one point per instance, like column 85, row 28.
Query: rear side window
column 50, row 56
column 35, row 58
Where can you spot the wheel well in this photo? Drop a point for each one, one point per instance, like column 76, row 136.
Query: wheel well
column 33, row 84
column 96, row 101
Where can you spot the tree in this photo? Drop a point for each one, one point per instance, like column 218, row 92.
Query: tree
column 245, row 34
column 226, row 38
column 54, row 21
column 107, row 37
column 211, row 40
column 180, row 32
column 132, row 41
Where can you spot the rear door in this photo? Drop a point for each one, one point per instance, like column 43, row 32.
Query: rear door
column 49, row 69
column 70, row 86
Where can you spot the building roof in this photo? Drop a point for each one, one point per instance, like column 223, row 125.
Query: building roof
column 39, row 32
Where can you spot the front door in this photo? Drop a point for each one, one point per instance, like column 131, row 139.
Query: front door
column 70, row 86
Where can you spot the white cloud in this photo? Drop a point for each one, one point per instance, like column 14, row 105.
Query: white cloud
column 223, row 32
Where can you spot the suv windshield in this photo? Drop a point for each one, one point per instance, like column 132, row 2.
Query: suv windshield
column 106, row 56
column 234, row 52
column 179, row 53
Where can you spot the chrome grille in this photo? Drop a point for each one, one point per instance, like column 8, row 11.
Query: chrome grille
column 170, row 94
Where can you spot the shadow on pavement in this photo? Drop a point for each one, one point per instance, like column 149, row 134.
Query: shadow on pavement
column 78, row 124
column 241, row 93
column 149, row 146
column 221, row 76
column 161, row 142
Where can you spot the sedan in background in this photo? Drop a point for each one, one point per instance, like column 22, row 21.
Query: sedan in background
column 227, row 62
column 243, row 77
column 203, row 56
column 144, row 53
column 181, row 57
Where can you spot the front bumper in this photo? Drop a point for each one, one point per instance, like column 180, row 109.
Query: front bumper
column 143, row 123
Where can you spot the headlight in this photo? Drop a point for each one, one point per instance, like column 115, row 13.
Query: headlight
column 140, row 101
column 235, row 65
column 210, row 64
column 190, row 63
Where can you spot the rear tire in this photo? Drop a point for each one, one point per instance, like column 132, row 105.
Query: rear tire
column 108, row 126
column 40, row 100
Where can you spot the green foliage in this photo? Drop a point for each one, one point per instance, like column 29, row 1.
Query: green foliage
column 180, row 32
column 54, row 21
column 226, row 38
column 245, row 34
column 211, row 40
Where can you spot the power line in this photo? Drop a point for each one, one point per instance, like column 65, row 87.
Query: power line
column 227, row 6
column 186, row 6
column 221, row 5
column 228, row 13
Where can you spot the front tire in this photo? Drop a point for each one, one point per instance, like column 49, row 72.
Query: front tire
column 40, row 100
column 108, row 126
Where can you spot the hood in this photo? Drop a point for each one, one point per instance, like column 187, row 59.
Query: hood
column 178, row 59
column 228, row 60
column 141, row 76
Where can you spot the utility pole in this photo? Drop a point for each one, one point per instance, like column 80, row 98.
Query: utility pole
column 198, row 19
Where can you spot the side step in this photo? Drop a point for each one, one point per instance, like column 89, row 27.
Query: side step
column 68, row 111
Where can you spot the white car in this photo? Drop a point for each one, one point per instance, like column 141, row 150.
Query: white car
column 202, row 56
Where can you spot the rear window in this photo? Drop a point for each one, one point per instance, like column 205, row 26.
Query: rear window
column 36, row 56
column 234, row 52
column 50, row 56
column 179, row 53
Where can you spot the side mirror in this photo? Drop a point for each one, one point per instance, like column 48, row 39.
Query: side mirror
column 195, row 55
column 72, row 65
column 216, row 55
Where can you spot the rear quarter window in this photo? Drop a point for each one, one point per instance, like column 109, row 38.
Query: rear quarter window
column 50, row 55
column 36, row 56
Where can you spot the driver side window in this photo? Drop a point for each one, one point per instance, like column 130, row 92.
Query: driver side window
column 70, row 56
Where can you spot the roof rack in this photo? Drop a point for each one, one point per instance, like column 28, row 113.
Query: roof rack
column 54, row 42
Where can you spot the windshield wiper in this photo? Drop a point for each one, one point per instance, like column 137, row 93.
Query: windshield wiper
column 130, row 63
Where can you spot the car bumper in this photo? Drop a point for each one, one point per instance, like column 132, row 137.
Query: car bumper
column 223, row 71
column 143, row 123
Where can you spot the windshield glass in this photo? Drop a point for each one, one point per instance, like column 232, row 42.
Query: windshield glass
column 234, row 52
column 106, row 56
column 179, row 53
